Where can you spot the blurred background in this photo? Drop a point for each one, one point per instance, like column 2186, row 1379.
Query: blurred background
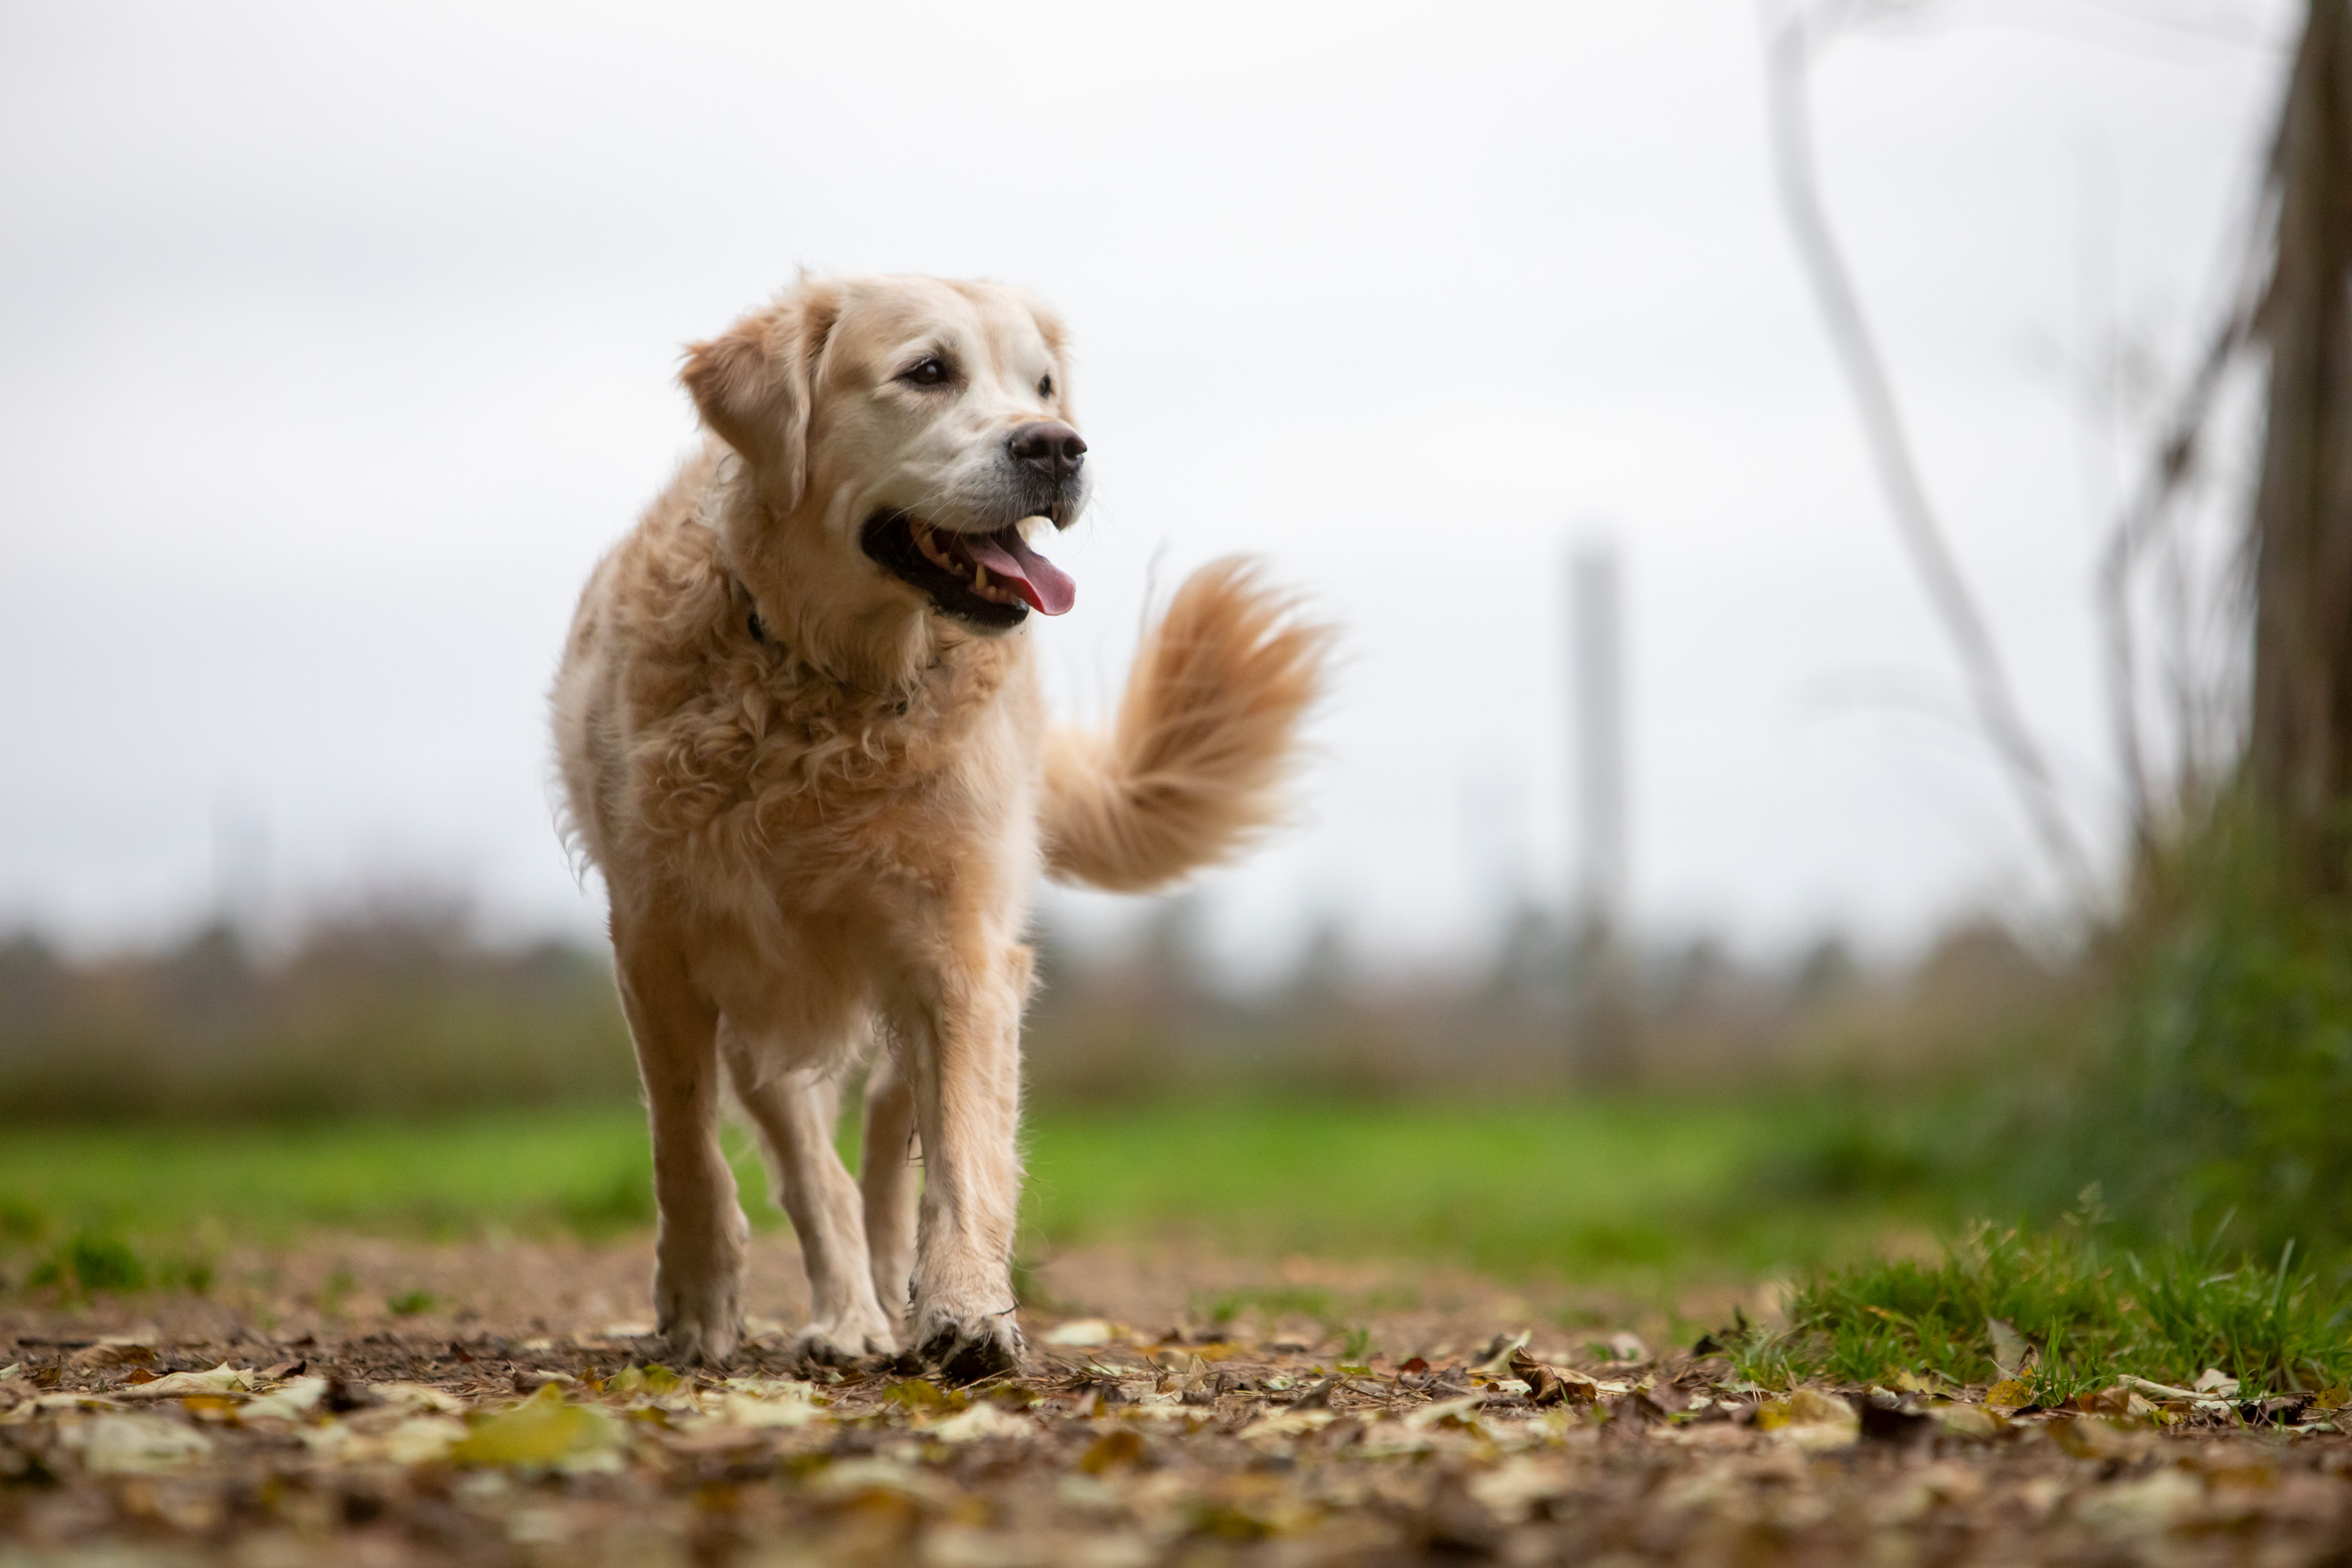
column 1792, row 482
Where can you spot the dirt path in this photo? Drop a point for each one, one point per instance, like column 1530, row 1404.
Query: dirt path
column 1178, row 1411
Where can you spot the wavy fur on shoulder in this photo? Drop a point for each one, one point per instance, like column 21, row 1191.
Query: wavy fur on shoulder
column 1205, row 737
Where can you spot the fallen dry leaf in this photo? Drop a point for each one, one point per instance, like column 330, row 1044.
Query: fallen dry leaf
column 1811, row 1419
column 2009, row 1394
column 2215, row 1383
column 222, row 1379
column 1080, row 1332
column 543, row 1432
column 383, row 1443
column 2012, row 1355
column 111, row 1445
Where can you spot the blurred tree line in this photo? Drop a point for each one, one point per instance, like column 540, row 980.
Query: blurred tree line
column 393, row 1005
column 1153, row 1019
column 397, row 1005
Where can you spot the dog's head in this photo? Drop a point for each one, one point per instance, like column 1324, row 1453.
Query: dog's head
column 905, row 440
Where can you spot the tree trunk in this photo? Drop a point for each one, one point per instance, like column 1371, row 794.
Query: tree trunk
column 2300, row 742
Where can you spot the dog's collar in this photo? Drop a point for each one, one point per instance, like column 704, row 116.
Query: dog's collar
column 740, row 592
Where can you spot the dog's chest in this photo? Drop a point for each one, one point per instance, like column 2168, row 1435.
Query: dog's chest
column 844, row 891
column 805, row 806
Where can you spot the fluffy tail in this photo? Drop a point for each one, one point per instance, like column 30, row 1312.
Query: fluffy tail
column 1206, row 736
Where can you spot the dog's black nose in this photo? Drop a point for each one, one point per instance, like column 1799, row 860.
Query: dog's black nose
column 1050, row 447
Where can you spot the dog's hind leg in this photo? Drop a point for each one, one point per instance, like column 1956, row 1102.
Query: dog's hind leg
column 797, row 1113
column 892, row 1176
column 699, row 1257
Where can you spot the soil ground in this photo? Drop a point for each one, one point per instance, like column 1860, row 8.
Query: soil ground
column 363, row 1402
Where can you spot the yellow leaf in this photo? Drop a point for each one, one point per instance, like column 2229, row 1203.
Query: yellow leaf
column 655, row 1380
column 1079, row 1333
column 290, row 1401
column 417, row 1440
column 917, row 1393
column 1967, row 1420
column 543, row 1432
column 981, row 1420
column 1120, row 1446
column 749, row 1410
column 1811, row 1408
column 2009, row 1394
column 1811, row 1419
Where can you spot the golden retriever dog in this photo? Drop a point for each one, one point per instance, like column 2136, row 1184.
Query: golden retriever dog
column 801, row 733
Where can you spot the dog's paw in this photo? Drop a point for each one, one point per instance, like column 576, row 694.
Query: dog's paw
column 968, row 1349
column 698, row 1326
column 844, row 1342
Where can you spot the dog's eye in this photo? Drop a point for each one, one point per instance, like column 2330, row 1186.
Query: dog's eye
column 929, row 371
column 1045, row 386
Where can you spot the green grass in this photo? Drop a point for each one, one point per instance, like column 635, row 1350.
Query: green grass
column 582, row 1168
column 1618, row 1186
column 1593, row 1185
column 2216, row 1077
column 2082, row 1313
column 1641, row 1193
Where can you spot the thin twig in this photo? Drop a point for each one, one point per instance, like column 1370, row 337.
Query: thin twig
column 2179, row 451
column 1788, row 61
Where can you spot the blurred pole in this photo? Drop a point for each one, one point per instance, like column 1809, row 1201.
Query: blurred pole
column 1593, row 617
column 240, row 871
column 1604, row 1042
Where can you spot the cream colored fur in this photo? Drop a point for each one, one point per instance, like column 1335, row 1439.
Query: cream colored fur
column 820, row 805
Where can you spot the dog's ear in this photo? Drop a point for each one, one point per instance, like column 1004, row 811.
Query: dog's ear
column 753, row 384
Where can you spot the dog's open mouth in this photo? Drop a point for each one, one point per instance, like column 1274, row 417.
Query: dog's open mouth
column 989, row 579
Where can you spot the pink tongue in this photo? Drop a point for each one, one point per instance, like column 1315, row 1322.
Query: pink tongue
column 1006, row 554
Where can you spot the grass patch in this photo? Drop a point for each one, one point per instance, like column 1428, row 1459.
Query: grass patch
column 2216, row 1078
column 91, row 1262
column 1631, row 1187
column 2082, row 1315
column 1637, row 1189
column 1272, row 1303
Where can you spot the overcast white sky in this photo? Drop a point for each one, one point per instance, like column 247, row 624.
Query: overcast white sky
column 336, row 342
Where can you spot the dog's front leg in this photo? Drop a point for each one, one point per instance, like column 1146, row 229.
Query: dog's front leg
column 967, row 1083
column 795, row 1114
column 699, row 1257
column 890, row 1178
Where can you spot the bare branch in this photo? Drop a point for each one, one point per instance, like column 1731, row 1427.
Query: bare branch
column 1788, row 44
column 2178, row 456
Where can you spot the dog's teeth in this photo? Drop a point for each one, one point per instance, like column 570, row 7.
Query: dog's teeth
column 980, row 577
